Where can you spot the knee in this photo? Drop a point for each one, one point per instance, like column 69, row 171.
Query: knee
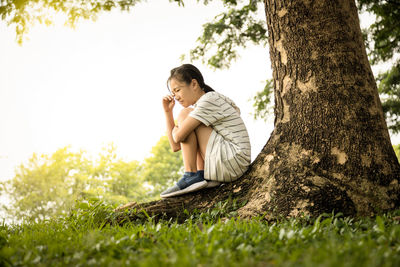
column 183, row 114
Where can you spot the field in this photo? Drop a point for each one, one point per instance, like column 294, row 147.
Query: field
column 214, row 238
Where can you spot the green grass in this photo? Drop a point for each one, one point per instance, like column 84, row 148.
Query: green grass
column 214, row 238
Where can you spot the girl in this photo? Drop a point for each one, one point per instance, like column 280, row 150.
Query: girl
column 212, row 136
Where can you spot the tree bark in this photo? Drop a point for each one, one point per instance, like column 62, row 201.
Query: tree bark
column 330, row 149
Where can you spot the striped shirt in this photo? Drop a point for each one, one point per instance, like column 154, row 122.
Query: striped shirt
column 228, row 152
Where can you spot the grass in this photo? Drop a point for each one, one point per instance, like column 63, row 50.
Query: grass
column 214, row 238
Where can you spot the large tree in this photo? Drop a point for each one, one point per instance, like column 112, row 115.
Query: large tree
column 330, row 148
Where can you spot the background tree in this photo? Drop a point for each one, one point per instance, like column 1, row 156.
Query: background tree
column 397, row 151
column 228, row 32
column 263, row 102
column 118, row 181
column 49, row 185
column 163, row 167
column 383, row 44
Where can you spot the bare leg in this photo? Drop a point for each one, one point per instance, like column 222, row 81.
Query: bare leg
column 200, row 161
column 194, row 146
column 203, row 135
column 189, row 153
column 189, row 146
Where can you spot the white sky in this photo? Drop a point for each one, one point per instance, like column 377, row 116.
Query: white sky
column 103, row 82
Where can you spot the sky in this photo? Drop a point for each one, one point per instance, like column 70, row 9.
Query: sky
column 103, row 82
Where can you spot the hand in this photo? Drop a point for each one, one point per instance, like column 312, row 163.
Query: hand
column 168, row 103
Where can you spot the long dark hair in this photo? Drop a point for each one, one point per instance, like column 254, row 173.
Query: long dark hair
column 186, row 73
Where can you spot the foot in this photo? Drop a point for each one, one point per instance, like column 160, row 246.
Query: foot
column 190, row 182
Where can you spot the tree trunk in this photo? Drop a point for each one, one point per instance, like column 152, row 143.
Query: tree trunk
column 330, row 149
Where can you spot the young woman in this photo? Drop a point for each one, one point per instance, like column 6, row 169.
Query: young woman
column 212, row 136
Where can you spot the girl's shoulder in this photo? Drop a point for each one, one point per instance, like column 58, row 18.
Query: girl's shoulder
column 213, row 95
column 207, row 97
column 215, row 98
column 210, row 95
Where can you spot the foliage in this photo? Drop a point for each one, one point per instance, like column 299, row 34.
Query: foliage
column 383, row 44
column 389, row 88
column 397, row 150
column 43, row 185
column 23, row 14
column 48, row 185
column 81, row 239
column 384, row 35
column 234, row 28
column 231, row 29
column 262, row 101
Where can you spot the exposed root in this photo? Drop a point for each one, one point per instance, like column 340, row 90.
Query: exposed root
column 181, row 206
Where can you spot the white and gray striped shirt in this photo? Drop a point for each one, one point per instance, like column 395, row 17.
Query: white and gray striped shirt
column 228, row 152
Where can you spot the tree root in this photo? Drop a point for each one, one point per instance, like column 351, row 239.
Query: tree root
column 181, row 207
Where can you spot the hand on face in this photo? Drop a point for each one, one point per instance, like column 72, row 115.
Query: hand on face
column 168, row 103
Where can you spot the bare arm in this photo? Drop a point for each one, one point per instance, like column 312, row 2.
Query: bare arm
column 175, row 146
column 180, row 133
column 168, row 105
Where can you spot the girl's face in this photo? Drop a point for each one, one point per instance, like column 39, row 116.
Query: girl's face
column 184, row 93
